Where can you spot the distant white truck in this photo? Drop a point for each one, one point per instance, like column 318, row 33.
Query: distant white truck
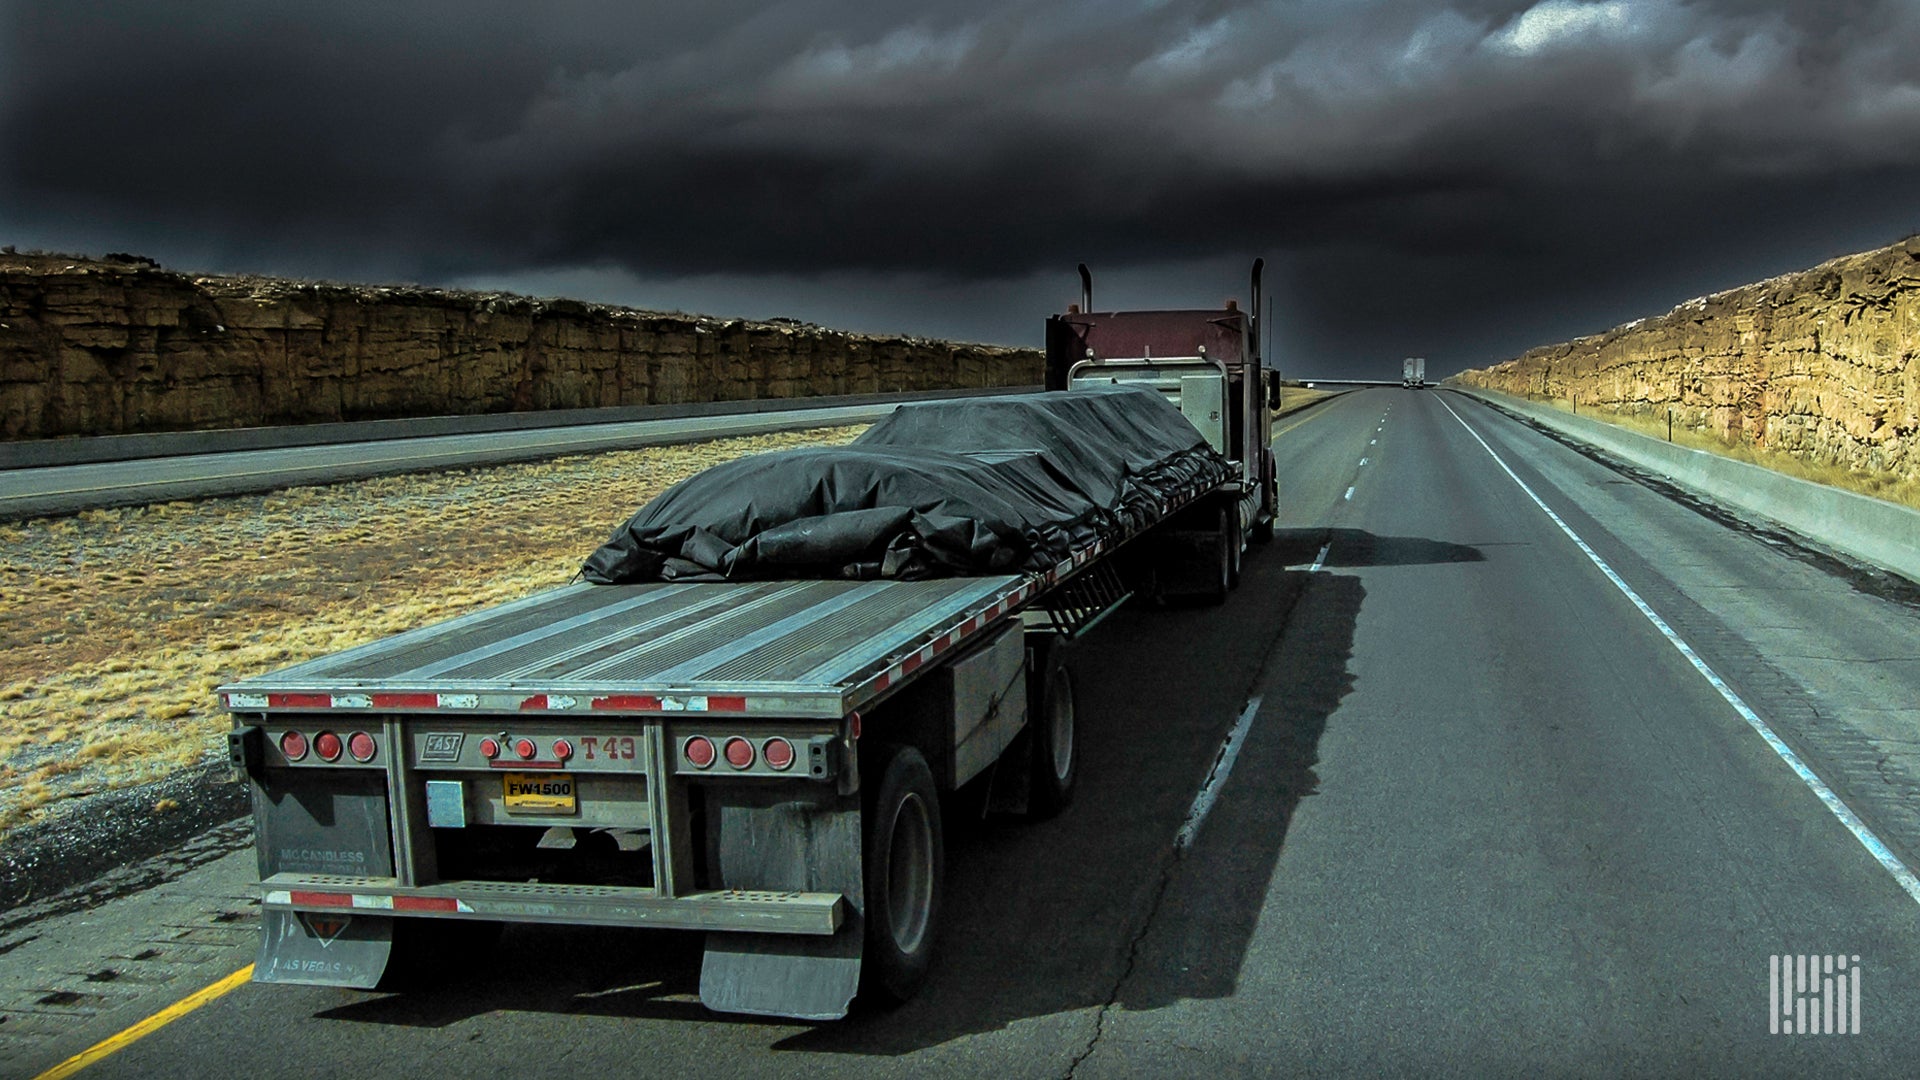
column 1413, row 372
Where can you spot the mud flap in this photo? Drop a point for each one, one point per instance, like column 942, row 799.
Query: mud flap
column 323, row 949
column 807, row 978
column 761, row 841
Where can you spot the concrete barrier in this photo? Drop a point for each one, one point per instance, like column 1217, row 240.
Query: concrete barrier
column 1874, row 530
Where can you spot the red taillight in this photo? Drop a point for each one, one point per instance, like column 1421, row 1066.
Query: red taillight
column 778, row 753
column 739, row 753
column 699, row 751
column 327, row 745
column 361, row 746
column 562, row 749
column 525, row 749
column 294, row 745
column 490, row 748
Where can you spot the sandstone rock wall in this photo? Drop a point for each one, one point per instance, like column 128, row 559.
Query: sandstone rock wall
column 121, row 346
column 1819, row 364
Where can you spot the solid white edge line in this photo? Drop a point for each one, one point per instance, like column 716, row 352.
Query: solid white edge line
column 1875, row 846
column 1222, row 766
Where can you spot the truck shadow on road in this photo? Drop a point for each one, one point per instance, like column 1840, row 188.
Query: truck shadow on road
column 1353, row 548
column 1050, row 920
column 1080, row 913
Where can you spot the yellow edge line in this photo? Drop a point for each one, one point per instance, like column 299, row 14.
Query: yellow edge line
column 146, row 1027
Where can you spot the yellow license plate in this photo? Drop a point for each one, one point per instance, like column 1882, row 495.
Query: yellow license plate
column 539, row 793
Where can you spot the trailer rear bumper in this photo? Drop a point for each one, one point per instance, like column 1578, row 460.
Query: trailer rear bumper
column 739, row 910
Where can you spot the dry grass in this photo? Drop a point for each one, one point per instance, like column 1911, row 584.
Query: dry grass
column 1894, row 489
column 120, row 623
column 1299, row 397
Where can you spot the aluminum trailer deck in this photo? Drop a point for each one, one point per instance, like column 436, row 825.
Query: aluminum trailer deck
column 796, row 649
column 815, row 649
column 686, row 755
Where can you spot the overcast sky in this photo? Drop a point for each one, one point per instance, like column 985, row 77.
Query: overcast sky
column 1457, row 179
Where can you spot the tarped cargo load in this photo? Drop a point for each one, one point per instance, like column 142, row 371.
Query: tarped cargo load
column 979, row 486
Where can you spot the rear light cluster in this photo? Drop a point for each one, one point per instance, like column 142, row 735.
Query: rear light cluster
column 523, row 748
column 329, row 747
column 775, row 753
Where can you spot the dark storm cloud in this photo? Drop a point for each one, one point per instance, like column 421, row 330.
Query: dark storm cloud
column 1490, row 171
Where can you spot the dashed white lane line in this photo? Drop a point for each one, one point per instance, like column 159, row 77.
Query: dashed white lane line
column 1348, row 497
column 1222, row 766
column 1370, row 442
column 1363, row 462
column 1320, row 560
column 1868, row 839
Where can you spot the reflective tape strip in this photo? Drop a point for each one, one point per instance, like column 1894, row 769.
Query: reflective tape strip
column 367, row 902
column 425, row 702
column 551, row 703
column 300, row 701
column 427, row 903
column 633, row 702
column 320, row 899
column 406, row 701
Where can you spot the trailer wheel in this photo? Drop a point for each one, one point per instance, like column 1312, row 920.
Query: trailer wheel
column 1051, row 725
column 904, row 867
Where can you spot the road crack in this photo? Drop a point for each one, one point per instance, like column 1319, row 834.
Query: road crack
column 1170, row 864
column 1176, row 854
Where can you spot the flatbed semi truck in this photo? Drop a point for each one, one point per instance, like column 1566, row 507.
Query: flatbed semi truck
column 765, row 761
column 1208, row 362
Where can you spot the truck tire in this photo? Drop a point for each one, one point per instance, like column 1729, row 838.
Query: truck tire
column 1264, row 518
column 904, row 866
column 1236, row 545
column 1055, row 761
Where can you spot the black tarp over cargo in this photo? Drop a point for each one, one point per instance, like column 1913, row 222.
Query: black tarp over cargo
column 980, row 486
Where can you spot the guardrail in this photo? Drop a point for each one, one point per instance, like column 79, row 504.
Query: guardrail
column 1879, row 532
column 42, row 453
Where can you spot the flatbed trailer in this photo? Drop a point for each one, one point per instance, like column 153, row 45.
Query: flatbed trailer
column 764, row 761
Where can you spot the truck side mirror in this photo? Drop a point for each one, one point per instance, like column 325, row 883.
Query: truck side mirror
column 1273, row 390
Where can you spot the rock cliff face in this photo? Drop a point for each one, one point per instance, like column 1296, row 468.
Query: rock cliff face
column 1819, row 364
column 120, row 346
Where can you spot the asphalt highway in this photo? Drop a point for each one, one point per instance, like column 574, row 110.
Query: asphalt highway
column 1444, row 789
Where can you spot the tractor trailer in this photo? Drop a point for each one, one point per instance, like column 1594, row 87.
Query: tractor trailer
column 712, row 733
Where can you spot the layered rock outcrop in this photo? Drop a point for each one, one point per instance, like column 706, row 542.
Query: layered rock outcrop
column 1819, row 364
column 120, row 346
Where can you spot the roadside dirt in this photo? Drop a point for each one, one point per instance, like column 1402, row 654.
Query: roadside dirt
column 120, row 623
